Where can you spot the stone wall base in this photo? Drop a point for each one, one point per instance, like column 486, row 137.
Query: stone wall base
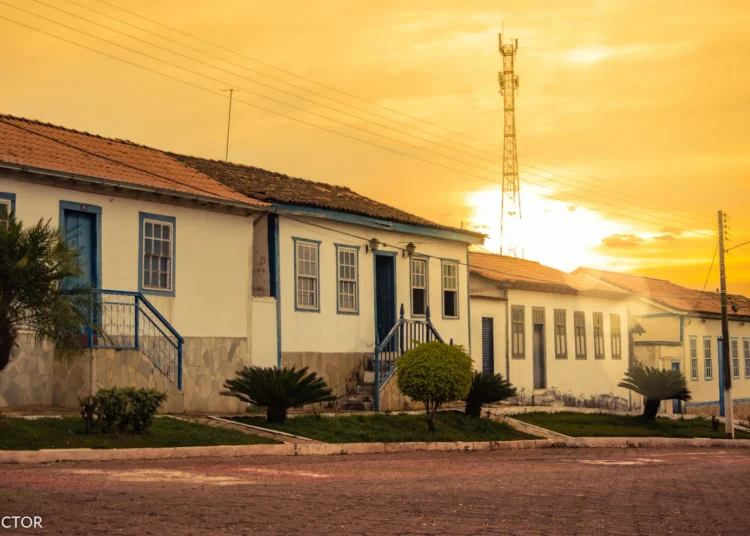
column 342, row 371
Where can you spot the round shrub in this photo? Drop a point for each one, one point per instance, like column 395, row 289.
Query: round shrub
column 434, row 373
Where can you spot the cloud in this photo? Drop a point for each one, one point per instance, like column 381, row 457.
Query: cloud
column 675, row 231
column 621, row 241
column 572, row 208
column 665, row 237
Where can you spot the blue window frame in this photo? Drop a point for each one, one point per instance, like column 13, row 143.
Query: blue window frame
column 156, row 254
column 7, row 206
column 347, row 279
column 306, row 275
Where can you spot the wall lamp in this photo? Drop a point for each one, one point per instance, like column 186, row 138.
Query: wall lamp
column 373, row 245
column 410, row 249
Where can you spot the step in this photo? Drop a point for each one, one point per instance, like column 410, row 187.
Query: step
column 369, row 377
column 358, row 398
column 357, row 406
column 365, row 389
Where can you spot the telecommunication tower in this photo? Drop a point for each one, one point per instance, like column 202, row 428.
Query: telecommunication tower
column 510, row 206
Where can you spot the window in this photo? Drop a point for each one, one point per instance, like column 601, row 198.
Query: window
column 746, row 355
column 735, row 349
column 517, row 330
column 693, row 358
column 598, row 336
column 419, row 291
column 616, row 335
column 579, row 323
column 347, row 266
column 450, row 289
column 157, row 250
column 488, row 345
column 306, row 275
column 707, row 361
column 561, row 338
column 7, row 205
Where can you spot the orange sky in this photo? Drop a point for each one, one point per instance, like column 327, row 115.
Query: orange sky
column 648, row 99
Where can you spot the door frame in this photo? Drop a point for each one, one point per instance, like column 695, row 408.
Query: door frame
column 542, row 349
column 676, row 404
column 720, row 373
column 375, row 256
column 70, row 206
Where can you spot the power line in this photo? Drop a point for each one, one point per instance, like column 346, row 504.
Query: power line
column 596, row 191
column 738, row 246
column 708, row 275
column 617, row 214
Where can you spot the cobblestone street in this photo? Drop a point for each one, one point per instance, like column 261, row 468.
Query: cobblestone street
column 567, row 491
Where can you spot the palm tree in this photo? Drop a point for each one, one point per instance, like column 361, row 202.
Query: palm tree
column 656, row 385
column 39, row 290
column 278, row 389
column 485, row 389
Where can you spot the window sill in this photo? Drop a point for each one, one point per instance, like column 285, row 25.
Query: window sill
column 581, row 357
column 518, row 357
column 301, row 310
column 561, row 357
column 351, row 313
column 599, row 357
column 157, row 292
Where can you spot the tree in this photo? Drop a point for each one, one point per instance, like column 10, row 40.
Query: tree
column 656, row 385
column 40, row 290
column 434, row 373
column 277, row 389
column 485, row 389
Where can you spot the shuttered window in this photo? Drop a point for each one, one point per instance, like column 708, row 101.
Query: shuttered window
column 579, row 324
column 517, row 331
column 418, row 286
column 735, row 349
column 598, row 336
column 616, row 335
column 746, row 354
column 693, row 358
column 561, row 337
column 306, row 268
column 488, row 345
column 347, row 272
column 450, row 289
column 708, row 365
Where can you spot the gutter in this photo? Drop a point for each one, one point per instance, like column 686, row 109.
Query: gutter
column 133, row 187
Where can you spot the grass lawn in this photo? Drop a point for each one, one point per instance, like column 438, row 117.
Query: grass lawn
column 600, row 425
column 450, row 426
column 68, row 433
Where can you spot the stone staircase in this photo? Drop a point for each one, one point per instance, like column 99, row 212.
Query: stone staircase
column 361, row 394
column 540, row 397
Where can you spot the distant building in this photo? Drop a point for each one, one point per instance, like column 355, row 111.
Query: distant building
column 683, row 332
column 549, row 332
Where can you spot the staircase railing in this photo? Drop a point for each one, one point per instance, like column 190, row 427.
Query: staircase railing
column 403, row 336
column 128, row 321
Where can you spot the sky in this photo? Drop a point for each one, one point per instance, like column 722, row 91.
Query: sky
column 631, row 116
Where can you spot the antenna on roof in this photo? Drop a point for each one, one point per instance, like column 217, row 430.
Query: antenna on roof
column 229, row 120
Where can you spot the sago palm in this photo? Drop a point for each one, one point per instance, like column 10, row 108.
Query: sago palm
column 278, row 389
column 486, row 389
column 37, row 292
column 656, row 385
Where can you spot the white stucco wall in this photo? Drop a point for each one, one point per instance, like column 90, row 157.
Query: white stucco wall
column 212, row 260
column 585, row 377
column 264, row 332
column 328, row 331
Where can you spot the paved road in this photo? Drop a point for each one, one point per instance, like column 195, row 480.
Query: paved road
column 566, row 491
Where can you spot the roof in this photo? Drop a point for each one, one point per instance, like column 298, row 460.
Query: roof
column 671, row 295
column 35, row 146
column 522, row 274
column 283, row 189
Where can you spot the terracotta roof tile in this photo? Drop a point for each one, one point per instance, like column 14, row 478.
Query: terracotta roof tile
column 283, row 189
column 531, row 275
column 670, row 294
column 39, row 145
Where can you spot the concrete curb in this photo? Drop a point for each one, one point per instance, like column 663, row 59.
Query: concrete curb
column 532, row 429
column 280, row 435
column 327, row 449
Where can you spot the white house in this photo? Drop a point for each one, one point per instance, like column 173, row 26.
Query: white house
column 683, row 332
column 546, row 330
column 201, row 267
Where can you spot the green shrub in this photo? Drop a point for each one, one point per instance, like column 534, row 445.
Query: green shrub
column 277, row 389
column 434, row 373
column 485, row 389
column 128, row 407
column 656, row 385
column 89, row 407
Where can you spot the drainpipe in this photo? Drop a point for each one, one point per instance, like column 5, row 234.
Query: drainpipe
column 507, row 336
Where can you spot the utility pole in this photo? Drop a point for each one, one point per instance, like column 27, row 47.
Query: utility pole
column 229, row 120
column 510, row 205
column 726, row 361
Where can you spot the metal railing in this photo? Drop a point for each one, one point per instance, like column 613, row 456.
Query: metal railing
column 403, row 336
column 128, row 321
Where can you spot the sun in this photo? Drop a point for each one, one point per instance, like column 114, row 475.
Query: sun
column 552, row 232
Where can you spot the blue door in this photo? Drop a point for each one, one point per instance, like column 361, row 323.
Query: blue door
column 385, row 293
column 80, row 232
column 676, row 404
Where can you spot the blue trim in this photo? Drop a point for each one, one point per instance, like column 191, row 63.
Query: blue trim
column 378, row 223
column 317, row 298
column 375, row 255
column 427, row 286
column 356, row 282
column 715, row 402
column 9, row 197
column 458, row 289
column 468, row 303
column 656, row 315
column 167, row 219
column 90, row 209
column 277, row 282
